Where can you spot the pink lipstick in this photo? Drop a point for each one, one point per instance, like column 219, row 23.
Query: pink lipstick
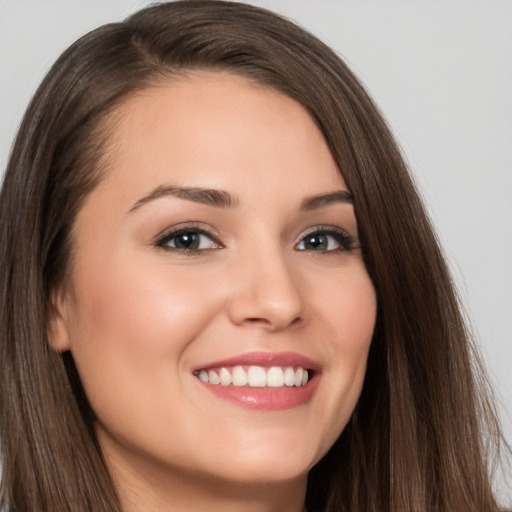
column 262, row 380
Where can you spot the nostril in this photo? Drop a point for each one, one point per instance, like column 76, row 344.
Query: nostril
column 296, row 321
column 270, row 324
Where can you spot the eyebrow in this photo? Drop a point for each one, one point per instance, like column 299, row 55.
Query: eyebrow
column 321, row 200
column 223, row 199
column 208, row 196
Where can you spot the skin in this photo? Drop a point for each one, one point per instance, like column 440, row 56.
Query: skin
column 139, row 317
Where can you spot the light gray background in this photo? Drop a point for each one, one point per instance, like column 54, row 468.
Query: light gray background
column 441, row 71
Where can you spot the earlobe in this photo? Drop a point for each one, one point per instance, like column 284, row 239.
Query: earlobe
column 58, row 330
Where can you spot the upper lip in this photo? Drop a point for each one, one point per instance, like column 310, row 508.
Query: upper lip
column 263, row 359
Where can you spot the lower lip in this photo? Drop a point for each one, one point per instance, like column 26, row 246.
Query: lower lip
column 265, row 399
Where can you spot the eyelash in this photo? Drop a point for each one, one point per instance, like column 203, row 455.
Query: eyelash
column 164, row 240
column 344, row 240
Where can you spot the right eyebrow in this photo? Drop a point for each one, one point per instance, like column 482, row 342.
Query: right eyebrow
column 208, row 196
column 321, row 200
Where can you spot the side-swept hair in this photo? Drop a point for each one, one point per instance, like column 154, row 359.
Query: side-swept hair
column 417, row 439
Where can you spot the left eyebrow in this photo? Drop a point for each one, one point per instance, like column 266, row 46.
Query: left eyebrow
column 321, row 200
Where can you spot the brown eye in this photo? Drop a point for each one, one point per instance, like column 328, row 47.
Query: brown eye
column 188, row 240
column 317, row 242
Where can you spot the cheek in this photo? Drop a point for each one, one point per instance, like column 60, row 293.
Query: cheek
column 347, row 307
column 131, row 329
column 357, row 310
column 142, row 307
column 347, row 312
column 354, row 321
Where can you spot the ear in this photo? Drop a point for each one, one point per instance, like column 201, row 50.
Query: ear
column 58, row 321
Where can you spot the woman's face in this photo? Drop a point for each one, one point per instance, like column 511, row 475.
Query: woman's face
column 221, row 246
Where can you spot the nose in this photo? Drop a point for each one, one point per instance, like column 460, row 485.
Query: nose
column 266, row 293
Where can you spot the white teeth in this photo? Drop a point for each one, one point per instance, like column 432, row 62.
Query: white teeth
column 298, row 376
column 213, row 377
column 275, row 377
column 256, row 376
column 289, row 377
column 225, row 377
column 239, row 376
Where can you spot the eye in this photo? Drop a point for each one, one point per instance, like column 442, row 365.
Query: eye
column 188, row 240
column 326, row 240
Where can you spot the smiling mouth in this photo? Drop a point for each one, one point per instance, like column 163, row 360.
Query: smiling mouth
column 262, row 381
column 255, row 376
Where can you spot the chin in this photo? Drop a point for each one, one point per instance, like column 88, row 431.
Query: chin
column 266, row 472
column 267, row 464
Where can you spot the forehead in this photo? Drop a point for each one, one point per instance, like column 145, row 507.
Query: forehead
column 217, row 130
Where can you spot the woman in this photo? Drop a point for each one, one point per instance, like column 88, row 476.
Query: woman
column 220, row 289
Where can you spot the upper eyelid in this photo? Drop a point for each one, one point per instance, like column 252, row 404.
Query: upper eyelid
column 328, row 228
column 198, row 226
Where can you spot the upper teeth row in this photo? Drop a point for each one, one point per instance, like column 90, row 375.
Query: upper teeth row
column 256, row 376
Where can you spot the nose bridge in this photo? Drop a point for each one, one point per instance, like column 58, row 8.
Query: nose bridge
column 266, row 291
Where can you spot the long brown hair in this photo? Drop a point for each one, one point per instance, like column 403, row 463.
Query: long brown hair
column 418, row 438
